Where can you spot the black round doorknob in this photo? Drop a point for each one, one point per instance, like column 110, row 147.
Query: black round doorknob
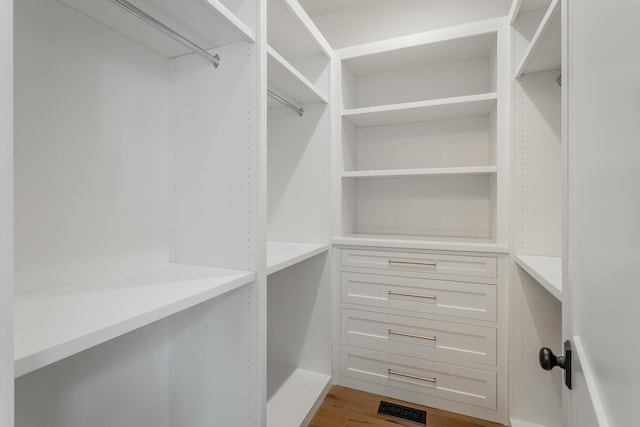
column 548, row 360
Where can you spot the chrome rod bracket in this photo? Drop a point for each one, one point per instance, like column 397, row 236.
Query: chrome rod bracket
column 298, row 110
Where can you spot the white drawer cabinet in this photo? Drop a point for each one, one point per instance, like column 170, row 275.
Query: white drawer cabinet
column 435, row 264
column 423, row 326
column 422, row 338
column 464, row 385
column 466, row 300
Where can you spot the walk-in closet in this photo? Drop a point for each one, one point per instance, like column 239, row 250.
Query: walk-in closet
column 233, row 212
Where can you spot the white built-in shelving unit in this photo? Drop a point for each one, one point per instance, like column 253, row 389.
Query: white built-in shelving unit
column 298, row 162
column 421, row 181
column 536, row 395
column 421, row 133
column 134, row 213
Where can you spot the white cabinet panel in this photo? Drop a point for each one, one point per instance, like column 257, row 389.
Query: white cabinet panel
column 422, row 338
column 436, row 264
column 467, row 300
column 471, row 386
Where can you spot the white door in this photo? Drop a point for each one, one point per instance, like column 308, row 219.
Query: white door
column 602, row 273
column 6, row 213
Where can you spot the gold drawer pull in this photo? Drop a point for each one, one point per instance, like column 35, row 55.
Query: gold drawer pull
column 412, row 262
column 404, row 294
column 404, row 334
column 415, row 377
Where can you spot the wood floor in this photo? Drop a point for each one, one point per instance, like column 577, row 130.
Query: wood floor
column 345, row 407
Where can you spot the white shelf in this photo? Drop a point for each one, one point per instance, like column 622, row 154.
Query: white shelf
column 404, row 173
column 519, row 6
column 471, row 40
column 519, row 423
column 292, row 33
column 293, row 394
column 281, row 255
column 208, row 23
column 287, row 81
column 432, row 243
column 544, row 52
column 420, row 111
column 60, row 322
column 546, row 270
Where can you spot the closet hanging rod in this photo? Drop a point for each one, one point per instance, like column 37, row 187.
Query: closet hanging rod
column 286, row 103
column 214, row 59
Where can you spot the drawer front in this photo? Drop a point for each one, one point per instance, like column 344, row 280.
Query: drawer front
column 466, row 300
column 423, row 338
column 464, row 385
column 437, row 264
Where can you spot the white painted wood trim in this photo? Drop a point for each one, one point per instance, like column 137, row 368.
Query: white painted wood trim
column 554, row 8
column 281, row 255
column 587, row 370
column 312, row 93
column 60, row 322
column 546, row 270
column 403, row 173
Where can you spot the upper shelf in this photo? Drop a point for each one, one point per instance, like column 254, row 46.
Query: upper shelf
column 207, row 23
column 405, row 173
column 60, row 322
column 545, row 270
column 435, row 47
column 281, row 255
column 410, row 112
column 544, row 52
column 285, row 79
column 292, row 33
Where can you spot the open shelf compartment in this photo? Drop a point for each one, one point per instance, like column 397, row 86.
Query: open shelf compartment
column 287, row 81
column 543, row 53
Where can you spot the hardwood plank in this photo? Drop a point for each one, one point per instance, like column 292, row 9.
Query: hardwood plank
column 345, row 407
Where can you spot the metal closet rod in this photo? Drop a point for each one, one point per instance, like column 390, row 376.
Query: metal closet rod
column 286, row 103
column 214, row 59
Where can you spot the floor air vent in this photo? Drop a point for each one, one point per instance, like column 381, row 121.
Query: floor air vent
column 402, row 412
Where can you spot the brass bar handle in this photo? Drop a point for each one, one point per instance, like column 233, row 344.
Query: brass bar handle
column 415, row 377
column 405, row 294
column 412, row 262
column 404, row 334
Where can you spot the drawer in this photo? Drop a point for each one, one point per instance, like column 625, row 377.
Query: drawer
column 464, row 385
column 423, row 338
column 437, row 264
column 466, row 300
